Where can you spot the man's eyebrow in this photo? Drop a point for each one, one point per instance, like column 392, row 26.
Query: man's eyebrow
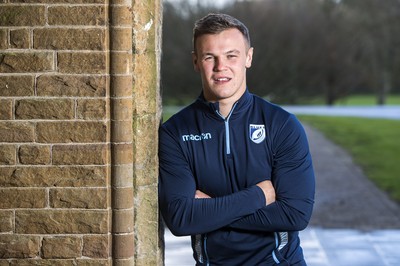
column 234, row 51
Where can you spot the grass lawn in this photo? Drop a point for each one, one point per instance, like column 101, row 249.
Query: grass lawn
column 367, row 100
column 373, row 143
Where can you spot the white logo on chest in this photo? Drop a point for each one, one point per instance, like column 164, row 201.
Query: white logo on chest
column 257, row 133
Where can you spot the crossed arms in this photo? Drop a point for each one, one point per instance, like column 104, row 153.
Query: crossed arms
column 283, row 203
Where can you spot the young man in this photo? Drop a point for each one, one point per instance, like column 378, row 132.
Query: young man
column 235, row 170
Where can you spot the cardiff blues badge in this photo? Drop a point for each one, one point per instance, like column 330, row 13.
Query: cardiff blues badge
column 257, row 133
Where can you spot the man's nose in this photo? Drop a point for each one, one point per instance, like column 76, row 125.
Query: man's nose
column 219, row 64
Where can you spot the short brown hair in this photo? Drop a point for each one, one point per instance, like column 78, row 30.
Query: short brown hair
column 215, row 23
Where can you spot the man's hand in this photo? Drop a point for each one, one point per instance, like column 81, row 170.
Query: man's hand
column 266, row 186
column 201, row 195
column 269, row 191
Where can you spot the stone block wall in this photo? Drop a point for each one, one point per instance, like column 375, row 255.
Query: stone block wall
column 79, row 112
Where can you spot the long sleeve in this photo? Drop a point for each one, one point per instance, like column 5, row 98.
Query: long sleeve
column 294, row 183
column 185, row 215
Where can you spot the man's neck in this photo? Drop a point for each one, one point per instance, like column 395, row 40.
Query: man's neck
column 225, row 108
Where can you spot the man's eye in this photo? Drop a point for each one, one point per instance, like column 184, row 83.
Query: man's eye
column 208, row 58
column 231, row 56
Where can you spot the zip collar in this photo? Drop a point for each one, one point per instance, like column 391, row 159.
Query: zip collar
column 239, row 107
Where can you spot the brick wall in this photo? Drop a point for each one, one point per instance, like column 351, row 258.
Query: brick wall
column 79, row 111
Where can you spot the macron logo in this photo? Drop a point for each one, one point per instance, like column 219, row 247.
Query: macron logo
column 200, row 137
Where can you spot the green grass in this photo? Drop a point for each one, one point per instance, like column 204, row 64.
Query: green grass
column 373, row 143
column 368, row 100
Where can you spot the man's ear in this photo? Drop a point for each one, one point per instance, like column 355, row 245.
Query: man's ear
column 249, row 57
column 194, row 61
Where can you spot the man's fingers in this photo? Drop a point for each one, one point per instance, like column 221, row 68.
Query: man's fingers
column 269, row 191
column 201, row 195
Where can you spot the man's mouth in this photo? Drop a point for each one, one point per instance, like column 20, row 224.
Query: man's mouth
column 221, row 80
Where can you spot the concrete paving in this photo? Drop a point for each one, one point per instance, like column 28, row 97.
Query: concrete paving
column 322, row 247
column 379, row 111
column 353, row 223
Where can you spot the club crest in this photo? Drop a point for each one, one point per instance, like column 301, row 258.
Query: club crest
column 257, row 133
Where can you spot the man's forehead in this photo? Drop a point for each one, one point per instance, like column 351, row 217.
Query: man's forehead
column 231, row 38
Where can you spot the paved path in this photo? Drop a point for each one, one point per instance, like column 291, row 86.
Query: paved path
column 353, row 223
column 379, row 111
column 345, row 198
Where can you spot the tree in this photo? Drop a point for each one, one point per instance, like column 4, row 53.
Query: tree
column 380, row 22
column 303, row 49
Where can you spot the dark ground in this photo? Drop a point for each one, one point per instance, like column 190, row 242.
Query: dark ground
column 345, row 198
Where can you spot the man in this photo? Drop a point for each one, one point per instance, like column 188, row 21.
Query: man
column 235, row 170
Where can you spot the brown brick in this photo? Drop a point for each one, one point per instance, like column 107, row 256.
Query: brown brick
column 69, row 39
column 121, row 109
column 44, row 109
column 121, row 15
column 34, row 154
column 22, row 198
column 16, row 86
column 3, row 39
column 147, row 240
column 5, row 109
column 66, row 132
column 78, row 86
column 7, row 154
column 6, row 221
column 123, row 221
column 96, row 246
column 121, row 86
column 61, row 221
column 80, row 154
column 16, row 132
column 77, row 15
column 82, row 63
column 26, row 62
column 146, row 142
column 4, row 262
column 91, row 109
column 18, row 15
column 86, row 198
column 122, row 198
column 124, row 65
column 61, row 247
column 146, row 93
column 131, row 261
column 122, row 153
column 145, row 204
column 124, row 246
column 17, row 246
column 63, row 1
column 57, row 262
column 19, row 39
column 122, row 175
column 89, row 176
column 96, row 262
column 120, row 39
column 122, row 131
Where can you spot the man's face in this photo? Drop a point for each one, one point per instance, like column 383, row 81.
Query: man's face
column 222, row 60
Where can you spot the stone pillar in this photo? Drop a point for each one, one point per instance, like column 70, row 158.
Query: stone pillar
column 121, row 82
column 147, row 21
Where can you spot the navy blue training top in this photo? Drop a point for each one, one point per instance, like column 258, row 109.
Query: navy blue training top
column 225, row 158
